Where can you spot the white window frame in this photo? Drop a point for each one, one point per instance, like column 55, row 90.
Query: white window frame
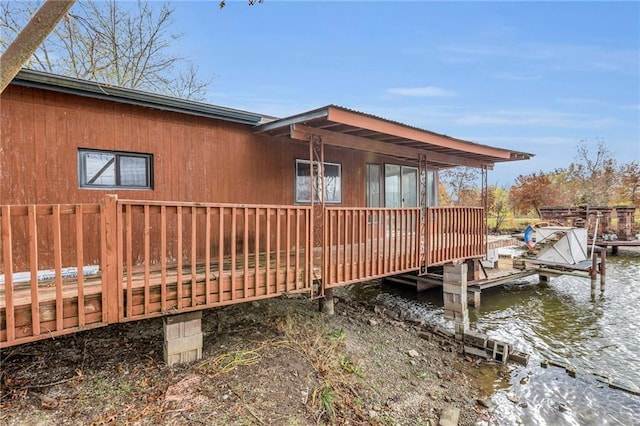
column 302, row 186
column 89, row 182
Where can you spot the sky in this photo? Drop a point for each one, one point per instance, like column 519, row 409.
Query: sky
column 537, row 77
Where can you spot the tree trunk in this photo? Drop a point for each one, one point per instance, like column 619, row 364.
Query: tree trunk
column 30, row 38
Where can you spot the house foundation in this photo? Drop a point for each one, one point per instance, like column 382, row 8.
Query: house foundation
column 182, row 338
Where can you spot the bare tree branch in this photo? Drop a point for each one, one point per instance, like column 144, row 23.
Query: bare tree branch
column 123, row 44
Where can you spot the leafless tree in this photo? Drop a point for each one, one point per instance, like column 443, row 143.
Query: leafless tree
column 124, row 44
column 594, row 173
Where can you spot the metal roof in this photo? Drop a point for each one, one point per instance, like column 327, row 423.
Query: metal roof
column 348, row 126
column 338, row 125
column 63, row 84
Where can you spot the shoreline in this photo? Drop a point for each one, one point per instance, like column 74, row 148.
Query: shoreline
column 276, row 361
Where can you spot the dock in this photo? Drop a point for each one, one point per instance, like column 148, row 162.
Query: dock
column 508, row 269
column 615, row 245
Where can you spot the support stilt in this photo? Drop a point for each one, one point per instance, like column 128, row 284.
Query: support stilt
column 603, row 269
column 326, row 304
column 454, row 293
column 182, row 338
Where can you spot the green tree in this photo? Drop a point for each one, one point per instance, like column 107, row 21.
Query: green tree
column 497, row 205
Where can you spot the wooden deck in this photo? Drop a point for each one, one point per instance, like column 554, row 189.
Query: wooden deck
column 159, row 258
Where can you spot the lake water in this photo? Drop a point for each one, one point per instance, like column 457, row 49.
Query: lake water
column 559, row 322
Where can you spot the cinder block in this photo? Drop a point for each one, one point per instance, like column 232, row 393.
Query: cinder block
column 476, row 339
column 452, row 288
column 192, row 327
column 454, row 298
column 519, row 264
column 505, row 261
column 473, row 298
column 182, row 357
column 461, row 328
column 456, row 315
column 183, row 344
column 519, row 358
column 182, row 338
column 460, row 268
column 454, row 278
column 175, row 329
column 461, row 315
column 455, row 273
column 475, row 351
column 457, row 307
column 172, row 331
column 447, row 297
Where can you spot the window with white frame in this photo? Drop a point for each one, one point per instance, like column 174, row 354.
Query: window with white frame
column 114, row 169
column 332, row 191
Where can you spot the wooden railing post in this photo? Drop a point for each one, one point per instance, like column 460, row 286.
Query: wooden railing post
column 110, row 268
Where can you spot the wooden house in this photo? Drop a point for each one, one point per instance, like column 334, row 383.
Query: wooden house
column 117, row 205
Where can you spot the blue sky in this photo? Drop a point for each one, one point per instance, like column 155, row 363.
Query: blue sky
column 535, row 77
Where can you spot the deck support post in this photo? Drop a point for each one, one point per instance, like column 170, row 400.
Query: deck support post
column 326, row 303
column 544, row 278
column 316, row 233
column 473, row 295
column 424, row 204
column 593, row 273
column 454, row 293
column 111, row 295
column 603, row 269
column 182, row 338
column 473, row 269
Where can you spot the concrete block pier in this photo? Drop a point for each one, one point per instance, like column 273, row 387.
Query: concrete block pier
column 182, row 338
column 454, row 293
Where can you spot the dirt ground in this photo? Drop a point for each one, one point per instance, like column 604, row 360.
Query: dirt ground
column 275, row 362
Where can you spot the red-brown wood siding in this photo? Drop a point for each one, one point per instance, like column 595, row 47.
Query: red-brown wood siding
column 194, row 158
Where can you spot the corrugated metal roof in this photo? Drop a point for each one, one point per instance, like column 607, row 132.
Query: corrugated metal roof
column 58, row 83
column 356, row 126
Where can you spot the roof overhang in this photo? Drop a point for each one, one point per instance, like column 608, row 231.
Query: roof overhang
column 90, row 89
column 355, row 130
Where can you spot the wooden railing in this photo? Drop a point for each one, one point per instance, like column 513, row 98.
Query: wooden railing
column 41, row 246
column 150, row 258
column 195, row 255
column 454, row 233
column 361, row 244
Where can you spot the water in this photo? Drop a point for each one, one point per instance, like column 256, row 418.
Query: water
column 560, row 322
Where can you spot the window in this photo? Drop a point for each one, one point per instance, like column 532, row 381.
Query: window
column 109, row 169
column 374, row 176
column 432, row 188
column 332, row 178
column 399, row 184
